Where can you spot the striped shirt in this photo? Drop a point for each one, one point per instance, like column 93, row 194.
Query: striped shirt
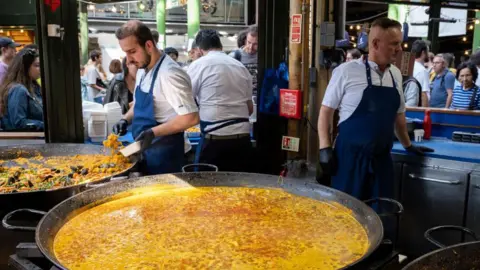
column 462, row 98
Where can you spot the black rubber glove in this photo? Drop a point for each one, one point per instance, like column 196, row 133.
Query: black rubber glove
column 146, row 138
column 120, row 128
column 326, row 166
column 419, row 150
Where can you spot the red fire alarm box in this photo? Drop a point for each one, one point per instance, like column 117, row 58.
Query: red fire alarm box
column 290, row 103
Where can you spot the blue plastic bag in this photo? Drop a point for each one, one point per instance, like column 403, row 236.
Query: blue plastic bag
column 273, row 81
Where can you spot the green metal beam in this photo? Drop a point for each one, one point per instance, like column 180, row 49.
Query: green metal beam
column 193, row 17
column 161, row 19
column 83, row 18
column 476, row 34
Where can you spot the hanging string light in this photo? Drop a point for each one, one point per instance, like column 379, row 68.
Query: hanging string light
column 359, row 27
column 477, row 21
column 91, row 7
column 405, row 45
column 351, row 27
column 352, row 38
column 470, row 27
column 467, row 52
column 464, row 39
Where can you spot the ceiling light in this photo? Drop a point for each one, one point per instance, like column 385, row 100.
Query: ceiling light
column 1, row 30
column 470, row 27
column 464, row 38
column 223, row 33
column 354, row 45
column 114, row 9
column 477, row 21
column 405, row 45
column 141, row 6
column 351, row 27
column 91, row 7
column 21, row 31
column 359, row 27
column 467, row 52
column 352, row 38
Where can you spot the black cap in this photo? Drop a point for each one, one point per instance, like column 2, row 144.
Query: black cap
column 6, row 42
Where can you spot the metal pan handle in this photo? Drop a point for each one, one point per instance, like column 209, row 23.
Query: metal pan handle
column 197, row 167
column 7, row 217
column 387, row 200
column 113, row 179
column 432, row 240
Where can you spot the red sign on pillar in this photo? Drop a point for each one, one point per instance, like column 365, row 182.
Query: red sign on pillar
column 290, row 103
column 53, row 4
column 296, row 29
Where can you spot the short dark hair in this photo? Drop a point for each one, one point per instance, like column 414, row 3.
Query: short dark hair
column 171, row 50
column 208, row 39
column 475, row 58
column 252, row 30
column 95, row 54
column 137, row 29
column 386, row 23
column 418, row 47
column 31, row 46
column 356, row 54
column 449, row 59
column 471, row 66
column 115, row 66
column 155, row 35
column 241, row 39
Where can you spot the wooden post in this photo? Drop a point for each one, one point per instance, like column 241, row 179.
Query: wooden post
column 297, row 67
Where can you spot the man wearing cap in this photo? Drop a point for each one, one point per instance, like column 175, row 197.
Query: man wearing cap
column 7, row 53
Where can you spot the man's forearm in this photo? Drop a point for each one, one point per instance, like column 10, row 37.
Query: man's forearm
column 178, row 124
column 324, row 127
column 129, row 115
column 424, row 99
column 401, row 130
column 96, row 87
column 449, row 100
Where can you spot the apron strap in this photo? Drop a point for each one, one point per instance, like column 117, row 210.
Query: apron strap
column 369, row 74
column 223, row 123
column 154, row 75
column 394, row 83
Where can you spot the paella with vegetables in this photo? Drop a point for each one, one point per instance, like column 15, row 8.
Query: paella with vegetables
column 23, row 174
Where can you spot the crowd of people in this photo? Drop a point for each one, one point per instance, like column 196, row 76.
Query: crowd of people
column 435, row 82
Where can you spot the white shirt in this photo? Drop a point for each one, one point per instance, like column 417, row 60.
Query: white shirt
column 172, row 92
column 349, row 80
column 92, row 74
column 423, row 77
column 222, row 87
column 478, row 79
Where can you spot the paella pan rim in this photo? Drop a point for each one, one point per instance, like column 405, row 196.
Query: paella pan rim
column 313, row 186
column 413, row 264
column 36, row 147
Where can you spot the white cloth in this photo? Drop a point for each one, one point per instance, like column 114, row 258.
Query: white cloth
column 421, row 74
column 477, row 82
column 222, row 87
column 349, row 80
column 172, row 92
column 92, row 74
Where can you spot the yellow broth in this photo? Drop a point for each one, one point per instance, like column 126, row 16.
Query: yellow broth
column 211, row 228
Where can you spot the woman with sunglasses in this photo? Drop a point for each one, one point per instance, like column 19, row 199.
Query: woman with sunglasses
column 21, row 106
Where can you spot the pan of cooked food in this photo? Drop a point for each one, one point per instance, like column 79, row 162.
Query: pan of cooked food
column 209, row 220
column 41, row 176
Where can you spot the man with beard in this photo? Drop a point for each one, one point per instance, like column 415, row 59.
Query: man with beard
column 368, row 94
column 420, row 73
column 247, row 54
column 163, row 102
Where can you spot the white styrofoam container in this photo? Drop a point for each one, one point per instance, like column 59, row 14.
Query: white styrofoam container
column 131, row 149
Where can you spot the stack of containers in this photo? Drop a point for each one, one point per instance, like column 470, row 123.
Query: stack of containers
column 97, row 126
column 88, row 108
column 114, row 114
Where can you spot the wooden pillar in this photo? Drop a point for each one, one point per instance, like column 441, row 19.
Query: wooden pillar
column 298, row 64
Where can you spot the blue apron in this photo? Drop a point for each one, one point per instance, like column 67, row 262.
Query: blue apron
column 364, row 142
column 165, row 155
column 204, row 125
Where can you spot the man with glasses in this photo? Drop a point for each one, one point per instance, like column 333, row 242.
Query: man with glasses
column 442, row 84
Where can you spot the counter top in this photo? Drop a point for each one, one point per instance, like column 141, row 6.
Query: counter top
column 446, row 149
